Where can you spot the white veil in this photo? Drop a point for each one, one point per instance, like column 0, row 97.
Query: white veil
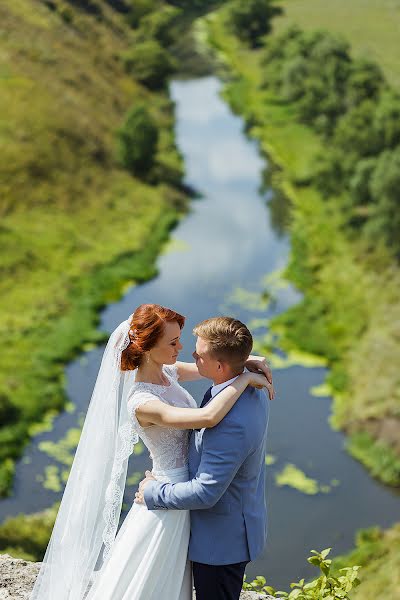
column 88, row 517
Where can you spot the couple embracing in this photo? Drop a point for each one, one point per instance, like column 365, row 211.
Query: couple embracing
column 200, row 515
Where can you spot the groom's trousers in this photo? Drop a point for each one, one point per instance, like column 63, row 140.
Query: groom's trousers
column 218, row 582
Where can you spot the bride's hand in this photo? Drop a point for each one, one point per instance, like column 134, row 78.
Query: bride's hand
column 258, row 364
column 260, row 381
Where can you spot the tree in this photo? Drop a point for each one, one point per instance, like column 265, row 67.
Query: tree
column 251, row 19
column 149, row 63
column 138, row 138
column 364, row 83
column 159, row 25
column 355, row 132
column 387, row 119
column 385, row 191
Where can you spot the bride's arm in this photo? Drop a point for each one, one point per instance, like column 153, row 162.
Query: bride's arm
column 156, row 412
column 189, row 371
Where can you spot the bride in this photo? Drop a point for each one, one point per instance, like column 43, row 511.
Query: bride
column 136, row 394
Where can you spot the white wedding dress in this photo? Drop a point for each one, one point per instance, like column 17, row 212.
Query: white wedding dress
column 148, row 559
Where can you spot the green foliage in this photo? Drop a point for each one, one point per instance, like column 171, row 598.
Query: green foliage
column 364, row 83
column 9, row 413
column 378, row 457
column 385, row 193
column 378, row 553
column 311, row 69
column 251, row 19
column 138, row 139
column 149, row 63
column 160, row 25
column 355, row 134
column 62, row 197
column 329, row 585
column 28, row 535
column 139, row 9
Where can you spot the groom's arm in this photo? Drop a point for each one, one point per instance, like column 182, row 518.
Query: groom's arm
column 223, row 452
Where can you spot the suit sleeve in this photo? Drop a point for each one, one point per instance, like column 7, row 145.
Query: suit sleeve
column 224, row 450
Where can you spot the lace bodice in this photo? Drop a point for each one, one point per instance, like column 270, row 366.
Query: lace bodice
column 168, row 447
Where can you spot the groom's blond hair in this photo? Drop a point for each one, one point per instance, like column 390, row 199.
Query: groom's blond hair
column 228, row 340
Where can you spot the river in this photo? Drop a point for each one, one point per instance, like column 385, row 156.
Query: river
column 216, row 263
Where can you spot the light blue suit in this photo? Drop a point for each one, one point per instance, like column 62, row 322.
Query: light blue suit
column 226, row 490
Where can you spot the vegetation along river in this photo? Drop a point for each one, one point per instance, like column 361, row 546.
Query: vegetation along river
column 217, row 262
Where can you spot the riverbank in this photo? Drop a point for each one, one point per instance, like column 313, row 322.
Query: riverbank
column 77, row 227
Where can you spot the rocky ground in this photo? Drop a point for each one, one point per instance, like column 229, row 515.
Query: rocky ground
column 18, row 576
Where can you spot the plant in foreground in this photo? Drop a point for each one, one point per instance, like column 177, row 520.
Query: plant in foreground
column 328, row 586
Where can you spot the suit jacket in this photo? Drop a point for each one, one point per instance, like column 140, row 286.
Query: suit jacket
column 226, row 490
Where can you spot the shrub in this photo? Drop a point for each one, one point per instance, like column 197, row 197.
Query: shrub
column 251, row 19
column 149, row 63
column 138, row 139
column 328, row 585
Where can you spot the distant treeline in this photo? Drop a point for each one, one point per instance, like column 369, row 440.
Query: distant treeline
column 349, row 102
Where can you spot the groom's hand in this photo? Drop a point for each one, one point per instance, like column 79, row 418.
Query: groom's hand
column 139, row 496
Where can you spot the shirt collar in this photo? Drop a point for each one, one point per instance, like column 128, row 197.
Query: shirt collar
column 220, row 386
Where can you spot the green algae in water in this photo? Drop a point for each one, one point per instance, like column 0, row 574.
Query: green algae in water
column 321, row 391
column 294, row 477
column 138, row 448
column 135, row 478
column 64, row 450
column 52, row 478
column 45, row 425
column 253, row 301
column 293, row 358
column 175, row 245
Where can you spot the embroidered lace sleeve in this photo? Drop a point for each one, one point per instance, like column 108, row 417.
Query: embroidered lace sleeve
column 138, row 398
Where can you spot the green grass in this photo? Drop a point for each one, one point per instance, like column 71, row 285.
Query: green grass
column 378, row 553
column 371, row 26
column 75, row 227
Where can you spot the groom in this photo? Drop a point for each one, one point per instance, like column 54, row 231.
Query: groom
column 226, row 490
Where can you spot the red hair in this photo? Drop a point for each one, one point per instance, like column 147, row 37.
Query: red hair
column 147, row 326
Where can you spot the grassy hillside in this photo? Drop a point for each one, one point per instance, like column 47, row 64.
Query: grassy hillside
column 75, row 225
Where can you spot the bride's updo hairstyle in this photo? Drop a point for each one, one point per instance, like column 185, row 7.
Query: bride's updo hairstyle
column 147, row 326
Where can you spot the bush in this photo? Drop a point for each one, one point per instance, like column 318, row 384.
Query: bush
column 387, row 119
column 328, row 585
column 355, row 132
column 9, row 413
column 251, row 19
column 138, row 138
column 149, row 63
column 364, row 83
column 385, row 191
column 138, row 9
column 159, row 25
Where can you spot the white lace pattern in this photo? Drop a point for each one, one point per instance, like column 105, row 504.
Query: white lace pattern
column 168, row 447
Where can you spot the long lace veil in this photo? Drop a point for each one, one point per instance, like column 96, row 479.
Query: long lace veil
column 88, row 517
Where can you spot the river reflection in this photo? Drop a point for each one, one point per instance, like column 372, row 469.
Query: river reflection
column 226, row 243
